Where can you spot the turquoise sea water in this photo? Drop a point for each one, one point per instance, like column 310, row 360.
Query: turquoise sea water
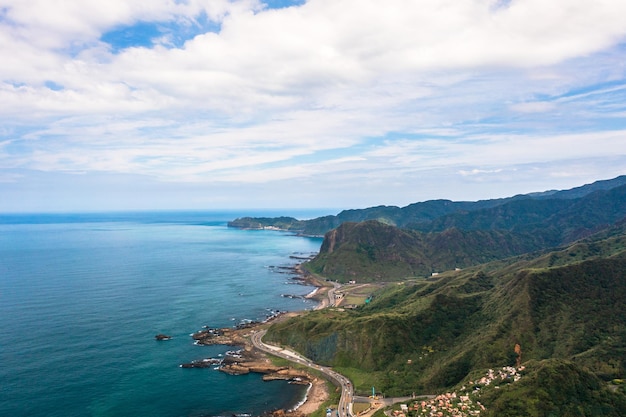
column 82, row 297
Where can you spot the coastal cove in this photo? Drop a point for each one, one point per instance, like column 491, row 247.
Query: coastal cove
column 85, row 296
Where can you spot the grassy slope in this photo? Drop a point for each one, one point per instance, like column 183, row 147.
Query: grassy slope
column 426, row 335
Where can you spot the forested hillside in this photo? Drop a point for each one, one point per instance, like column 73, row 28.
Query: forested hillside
column 373, row 251
column 430, row 334
column 535, row 281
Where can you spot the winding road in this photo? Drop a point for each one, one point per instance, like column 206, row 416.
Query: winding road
column 347, row 390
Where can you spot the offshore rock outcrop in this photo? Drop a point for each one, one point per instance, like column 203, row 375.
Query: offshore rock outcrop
column 245, row 360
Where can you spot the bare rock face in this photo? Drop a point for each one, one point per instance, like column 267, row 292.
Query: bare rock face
column 226, row 336
column 235, row 369
column 247, row 359
column 244, row 361
column 262, row 368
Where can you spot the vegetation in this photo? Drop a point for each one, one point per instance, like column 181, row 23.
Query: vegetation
column 554, row 388
column 536, row 280
column 373, row 251
column 432, row 334
column 506, row 213
column 360, row 407
column 284, row 223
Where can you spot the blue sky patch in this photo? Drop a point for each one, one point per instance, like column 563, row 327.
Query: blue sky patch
column 146, row 34
column 281, row 4
column 53, row 86
column 138, row 35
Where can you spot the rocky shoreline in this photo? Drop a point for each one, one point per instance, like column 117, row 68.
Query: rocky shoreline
column 248, row 359
column 245, row 361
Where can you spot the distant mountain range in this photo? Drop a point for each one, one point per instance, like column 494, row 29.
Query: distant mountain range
column 420, row 215
column 471, row 286
column 390, row 243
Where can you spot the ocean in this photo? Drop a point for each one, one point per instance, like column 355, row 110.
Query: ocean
column 83, row 295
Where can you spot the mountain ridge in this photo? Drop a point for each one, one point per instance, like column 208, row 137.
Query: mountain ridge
column 371, row 250
column 535, row 281
column 412, row 214
column 562, row 307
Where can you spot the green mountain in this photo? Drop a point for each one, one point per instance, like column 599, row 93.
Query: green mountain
column 555, row 388
column 570, row 219
column 563, row 309
column 373, row 251
column 283, row 223
column 538, row 280
column 427, row 215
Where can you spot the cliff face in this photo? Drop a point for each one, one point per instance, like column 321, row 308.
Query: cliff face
column 330, row 240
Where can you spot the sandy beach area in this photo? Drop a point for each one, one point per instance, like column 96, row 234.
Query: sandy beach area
column 316, row 396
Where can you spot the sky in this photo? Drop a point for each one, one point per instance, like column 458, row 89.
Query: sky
column 223, row 104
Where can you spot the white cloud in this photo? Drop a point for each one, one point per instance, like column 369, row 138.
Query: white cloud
column 502, row 150
column 273, row 58
column 63, row 24
column 356, row 89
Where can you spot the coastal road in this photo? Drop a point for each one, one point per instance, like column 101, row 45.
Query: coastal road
column 331, row 294
column 347, row 390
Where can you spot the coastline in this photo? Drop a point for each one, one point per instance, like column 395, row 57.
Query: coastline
column 317, row 393
column 251, row 359
column 304, row 399
column 315, row 396
column 185, row 271
column 312, row 293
